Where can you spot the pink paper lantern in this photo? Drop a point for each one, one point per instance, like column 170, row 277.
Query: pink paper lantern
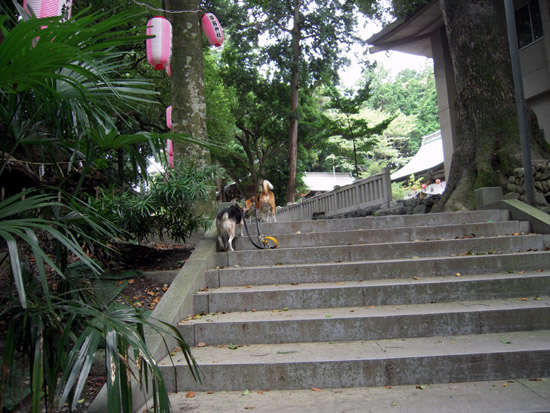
column 170, row 152
column 169, row 143
column 159, row 47
column 49, row 8
column 212, row 29
column 169, row 117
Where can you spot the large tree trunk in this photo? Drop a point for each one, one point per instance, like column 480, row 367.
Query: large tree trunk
column 187, row 88
column 294, row 87
column 187, row 67
column 486, row 144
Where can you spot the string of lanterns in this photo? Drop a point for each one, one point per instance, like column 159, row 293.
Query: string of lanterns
column 159, row 53
column 158, row 46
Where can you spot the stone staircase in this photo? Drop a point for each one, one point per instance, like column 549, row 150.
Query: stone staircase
column 375, row 301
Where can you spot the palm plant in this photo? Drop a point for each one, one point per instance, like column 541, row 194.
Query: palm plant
column 59, row 90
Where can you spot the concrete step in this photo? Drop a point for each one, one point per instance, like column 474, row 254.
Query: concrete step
column 371, row 292
column 381, row 251
column 390, row 221
column 377, row 269
column 438, row 359
column 375, row 301
column 524, row 395
column 368, row 322
column 399, row 234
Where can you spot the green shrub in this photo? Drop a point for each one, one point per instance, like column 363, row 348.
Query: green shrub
column 176, row 204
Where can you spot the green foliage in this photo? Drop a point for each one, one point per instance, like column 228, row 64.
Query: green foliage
column 401, row 189
column 411, row 93
column 168, row 207
column 397, row 8
column 59, row 94
column 348, row 125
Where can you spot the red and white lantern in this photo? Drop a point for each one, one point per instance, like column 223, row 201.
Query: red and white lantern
column 170, row 152
column 169, row 143
column 159, row 48
column 169, row 117
column 212, row 29
column 49, row 8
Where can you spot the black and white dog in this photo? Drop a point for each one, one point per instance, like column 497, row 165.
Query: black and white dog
column 226, row 222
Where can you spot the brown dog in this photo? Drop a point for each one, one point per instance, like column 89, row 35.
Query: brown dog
column 261, row 200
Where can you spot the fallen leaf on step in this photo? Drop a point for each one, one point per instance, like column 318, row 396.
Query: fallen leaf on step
column 316, row 389
column 458, row 274
column 421, row 386
column 249, row 407
column 201, row 344
column 176, row 350
column 524, row 299
column 260, row 392
column 387, row 387
column 245, row 393
column 536, row 298
column 415, row 278
column 415, row 257
column 505, row 341
column 190, row 394
column 298, row 232
column 209, row 392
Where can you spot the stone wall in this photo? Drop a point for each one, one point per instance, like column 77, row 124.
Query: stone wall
column 400, row 207
column 515, row 189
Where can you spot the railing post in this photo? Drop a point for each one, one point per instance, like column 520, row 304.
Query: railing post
column 386, row 186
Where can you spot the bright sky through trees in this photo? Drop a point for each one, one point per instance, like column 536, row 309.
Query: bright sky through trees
column 393, row 61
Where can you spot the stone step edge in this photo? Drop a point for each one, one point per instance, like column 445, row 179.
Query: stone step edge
column 442, row 288
column 347, row 323
column 438, row 226
column 378, row 349
column 437, row 359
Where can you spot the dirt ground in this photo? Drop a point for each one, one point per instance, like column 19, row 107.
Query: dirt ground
column 153, row 257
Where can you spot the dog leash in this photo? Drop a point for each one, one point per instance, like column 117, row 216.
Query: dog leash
column 265, row 242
